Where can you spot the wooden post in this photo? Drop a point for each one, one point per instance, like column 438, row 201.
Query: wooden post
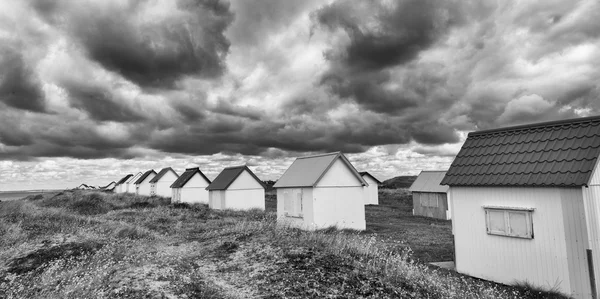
column 590, row 260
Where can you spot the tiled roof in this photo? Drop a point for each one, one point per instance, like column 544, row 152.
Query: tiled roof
column 144, row 176
column 228, row 176
column 561, row 153
column 125, row 178
column 161, row 173
column 429, row 181
column 308, row 171
column 363, row 173
column 186, row 176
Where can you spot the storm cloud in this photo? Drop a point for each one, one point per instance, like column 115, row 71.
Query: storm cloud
column 392, row 82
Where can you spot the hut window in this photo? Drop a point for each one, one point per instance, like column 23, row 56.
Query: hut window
column 509, row 222
column 292, row 205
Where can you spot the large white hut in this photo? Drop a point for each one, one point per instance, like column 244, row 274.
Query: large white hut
column 161, row 184
column 526, row 205
column 321, row 191
column 120, row 186
column 142, row 185
column 190, row 187
column 372, row 188
column 236, row 188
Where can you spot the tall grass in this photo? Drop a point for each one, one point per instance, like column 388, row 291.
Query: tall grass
column 97, row 245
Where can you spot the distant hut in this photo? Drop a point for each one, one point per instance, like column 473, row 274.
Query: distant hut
column 109, row 187
column 321, row 191
column 142, row 185
column 120, row 186
column 190, row 187
column 130, row 183
column 371, row 190
column 429, row 197
column 161, row 184
column 526, row 205
column 236, row 188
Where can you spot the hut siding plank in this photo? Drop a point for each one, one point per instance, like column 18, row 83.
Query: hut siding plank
column 439, row 212
column 541, row 261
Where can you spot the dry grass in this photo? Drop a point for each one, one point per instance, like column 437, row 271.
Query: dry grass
column 95, row 245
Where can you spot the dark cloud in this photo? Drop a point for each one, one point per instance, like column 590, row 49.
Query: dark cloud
column 101, row 104
column 19, row 87
column 151, row 54
column 400, row 30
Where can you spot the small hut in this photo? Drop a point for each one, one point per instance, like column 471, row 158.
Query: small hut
column 236, row 188
column 120, row 186
column 321, row 191
column 160, row 184
column 372, row 188
column 429, row 197
column 142, row 185
column 190, row 187
column 130, row 183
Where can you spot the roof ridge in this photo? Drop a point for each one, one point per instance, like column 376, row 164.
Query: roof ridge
column 538, row 125
column 320, row 155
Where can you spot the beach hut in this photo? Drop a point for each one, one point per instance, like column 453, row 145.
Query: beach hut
column 236, row 188
column 161, row 183
column 142, row 184
column 429, row 197
column 110, row 186
column 525, row 204
column 321, row 191
column 372, row 188
column 190, row 187
column 120, row 186
column 130, row 183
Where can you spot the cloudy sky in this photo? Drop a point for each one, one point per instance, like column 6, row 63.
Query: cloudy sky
column 93, row 90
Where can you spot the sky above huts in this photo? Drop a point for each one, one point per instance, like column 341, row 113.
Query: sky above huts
column 93, row 90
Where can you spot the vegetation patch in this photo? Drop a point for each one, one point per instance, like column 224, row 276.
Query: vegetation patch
column 36, row 259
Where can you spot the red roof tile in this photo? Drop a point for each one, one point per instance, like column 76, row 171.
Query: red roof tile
column 560, row 153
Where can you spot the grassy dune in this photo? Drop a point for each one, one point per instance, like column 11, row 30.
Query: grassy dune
column 86, row 244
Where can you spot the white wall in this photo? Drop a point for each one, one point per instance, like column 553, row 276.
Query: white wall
column 129, row 185
column 163, row 186
column 339, row 175
column 342, row 207
column 216, row 199
column 371, row 192
column 144, row 187
column 194, row 191
column 245, row 181
column 546, row 260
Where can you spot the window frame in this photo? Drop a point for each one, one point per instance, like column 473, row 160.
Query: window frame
column 508, row 230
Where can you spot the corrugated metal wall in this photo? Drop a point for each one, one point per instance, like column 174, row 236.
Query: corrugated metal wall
column 543, row 260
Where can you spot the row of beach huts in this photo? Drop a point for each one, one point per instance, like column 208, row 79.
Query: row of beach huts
column 524, row 201
column 314, row 192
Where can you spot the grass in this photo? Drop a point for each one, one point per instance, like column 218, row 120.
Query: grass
column 86, row 244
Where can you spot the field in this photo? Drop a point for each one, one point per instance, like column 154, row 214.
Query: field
column 86, row 244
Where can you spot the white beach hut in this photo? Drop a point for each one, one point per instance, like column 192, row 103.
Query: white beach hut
column 526, row 205
column 321, row 191
column 130, row 183
column 372, row 188
column 429, row 197
column 190, row 187
column 110, row 187
column 142, row 185
column 236, row 188
column 120, row 186
column 161, row 184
